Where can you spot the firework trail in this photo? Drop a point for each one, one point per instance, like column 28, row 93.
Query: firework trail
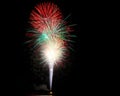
column 49, row 34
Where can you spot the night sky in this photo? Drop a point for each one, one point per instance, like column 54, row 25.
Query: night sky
column 79, row 74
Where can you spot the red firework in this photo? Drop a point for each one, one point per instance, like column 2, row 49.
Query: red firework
column 45, row 15
column 49, row 34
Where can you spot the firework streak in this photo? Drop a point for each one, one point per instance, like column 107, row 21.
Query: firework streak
column 49, row 34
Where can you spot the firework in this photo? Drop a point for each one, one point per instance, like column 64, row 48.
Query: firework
column 49, row 34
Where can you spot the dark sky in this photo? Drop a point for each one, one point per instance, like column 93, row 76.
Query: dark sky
column 82, row 75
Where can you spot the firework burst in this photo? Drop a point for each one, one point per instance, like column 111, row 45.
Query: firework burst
column 49, row 34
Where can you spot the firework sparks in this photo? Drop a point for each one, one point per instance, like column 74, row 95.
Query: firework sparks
column 49, row 34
